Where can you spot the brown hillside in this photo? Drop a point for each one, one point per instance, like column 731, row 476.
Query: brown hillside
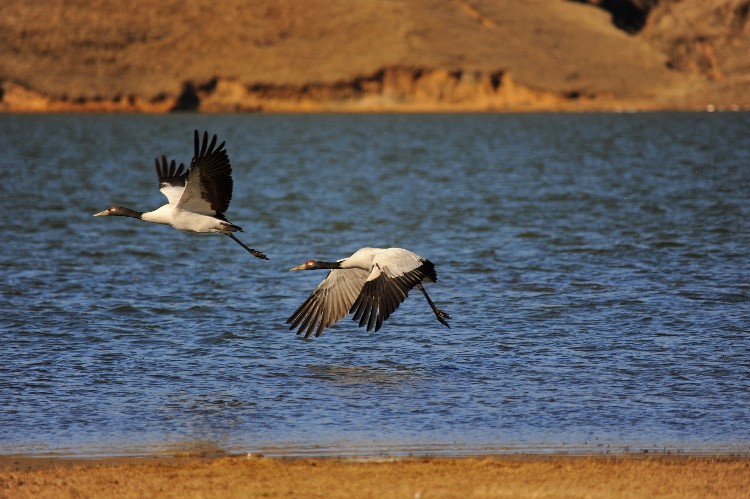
column 373, row 55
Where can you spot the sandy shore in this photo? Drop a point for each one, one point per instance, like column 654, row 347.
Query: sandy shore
column 497, row 476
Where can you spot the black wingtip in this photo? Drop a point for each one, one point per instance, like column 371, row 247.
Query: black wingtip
column 202, row 147
column 170, row 171
column 213, row 144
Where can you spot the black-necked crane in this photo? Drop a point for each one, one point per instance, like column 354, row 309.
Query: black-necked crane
column 371, row 284
column 197, row 198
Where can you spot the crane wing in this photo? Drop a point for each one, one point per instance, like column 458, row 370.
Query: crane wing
column 171, row 179
column 394, row 273
column 208, row 188
column 329, row 302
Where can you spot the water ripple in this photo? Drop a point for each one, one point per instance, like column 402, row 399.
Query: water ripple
column 594, row 266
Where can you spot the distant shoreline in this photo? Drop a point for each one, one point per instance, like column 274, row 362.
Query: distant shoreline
column 231, row 97
column 83, row 110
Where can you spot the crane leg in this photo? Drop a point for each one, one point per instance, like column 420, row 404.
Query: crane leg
column 441, row 316
column 253, row 252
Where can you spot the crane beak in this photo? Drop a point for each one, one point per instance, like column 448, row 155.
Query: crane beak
column 101, row 213
column 298, row 267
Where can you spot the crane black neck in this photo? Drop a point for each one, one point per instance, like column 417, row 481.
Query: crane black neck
column 127, row 212
column 327, row 265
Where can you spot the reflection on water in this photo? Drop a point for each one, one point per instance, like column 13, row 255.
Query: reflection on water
column 595, row 267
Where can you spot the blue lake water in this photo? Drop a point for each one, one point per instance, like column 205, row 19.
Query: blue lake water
column 595, row 267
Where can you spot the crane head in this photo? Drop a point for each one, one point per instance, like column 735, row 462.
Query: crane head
column 308, row 265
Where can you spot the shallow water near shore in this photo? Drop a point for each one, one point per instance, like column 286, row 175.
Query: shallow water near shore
column 595, row 267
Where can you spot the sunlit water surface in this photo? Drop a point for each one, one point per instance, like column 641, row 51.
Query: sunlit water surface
column 595, row 267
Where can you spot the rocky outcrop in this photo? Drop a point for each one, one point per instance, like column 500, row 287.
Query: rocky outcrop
column 711, row 39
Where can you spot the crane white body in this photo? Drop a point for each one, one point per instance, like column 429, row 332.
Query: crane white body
column 371, row 284
column 174, row 215
column 196, row 198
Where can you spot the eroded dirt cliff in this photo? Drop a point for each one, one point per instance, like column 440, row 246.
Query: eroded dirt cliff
column 396, row 55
